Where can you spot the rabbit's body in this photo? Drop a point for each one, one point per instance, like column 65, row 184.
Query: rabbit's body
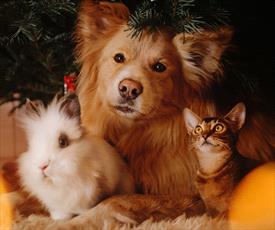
column 67, row 171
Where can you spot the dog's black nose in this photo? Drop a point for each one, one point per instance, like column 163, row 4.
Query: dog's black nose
column 130, row 89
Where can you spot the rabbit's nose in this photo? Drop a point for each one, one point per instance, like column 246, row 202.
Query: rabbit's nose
column 44, row 166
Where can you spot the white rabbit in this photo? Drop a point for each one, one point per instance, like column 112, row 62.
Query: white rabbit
column 66, row 170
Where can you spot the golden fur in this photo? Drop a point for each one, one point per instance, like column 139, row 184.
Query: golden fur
column 153, row 139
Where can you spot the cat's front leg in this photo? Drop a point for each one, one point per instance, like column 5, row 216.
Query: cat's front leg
column 214, row 196
column 216, row 189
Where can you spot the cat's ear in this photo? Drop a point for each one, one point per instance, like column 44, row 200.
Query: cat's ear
column 201, row 54
column 96, row 19
column 237, row 115
column 191, row 119
column 70, row 106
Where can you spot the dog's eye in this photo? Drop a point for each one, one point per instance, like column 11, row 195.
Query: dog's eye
column 158, row 67
column 119, row 58
column 63, row 141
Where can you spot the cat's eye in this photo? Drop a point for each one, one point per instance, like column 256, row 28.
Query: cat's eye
column 198, row 130
column 119, row 58
column 158, row 67
column 219, row 128
column 63, row 141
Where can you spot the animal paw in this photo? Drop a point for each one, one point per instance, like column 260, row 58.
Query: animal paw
column 57, row 215
column 105, row 215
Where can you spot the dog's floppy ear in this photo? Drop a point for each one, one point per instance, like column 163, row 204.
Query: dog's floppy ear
column 96, row 19
column 201, row 54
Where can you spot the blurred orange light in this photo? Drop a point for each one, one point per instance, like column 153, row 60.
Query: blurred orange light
column 253, row 202
column 6, row 214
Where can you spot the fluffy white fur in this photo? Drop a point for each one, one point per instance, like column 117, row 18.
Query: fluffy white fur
column 78, row 176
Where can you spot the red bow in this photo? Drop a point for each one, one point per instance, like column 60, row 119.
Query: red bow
column 69, row 83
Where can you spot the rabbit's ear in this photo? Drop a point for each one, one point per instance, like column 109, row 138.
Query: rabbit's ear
column 33, row 107
column 70, row 106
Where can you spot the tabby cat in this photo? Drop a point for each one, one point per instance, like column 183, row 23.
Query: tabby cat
column 213, row 139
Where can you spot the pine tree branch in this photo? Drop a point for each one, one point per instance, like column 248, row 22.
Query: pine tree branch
column 36, row 49
column 180, row 15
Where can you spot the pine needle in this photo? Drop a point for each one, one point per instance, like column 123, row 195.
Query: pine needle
column 180, row 15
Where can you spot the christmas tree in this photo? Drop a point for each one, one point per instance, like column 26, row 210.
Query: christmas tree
column 183, row 16
column 36, row 45
column 36, row 48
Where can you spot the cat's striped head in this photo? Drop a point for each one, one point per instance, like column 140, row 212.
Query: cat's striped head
column 215, row 133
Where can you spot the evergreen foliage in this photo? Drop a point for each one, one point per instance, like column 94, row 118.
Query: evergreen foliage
column 36, row 48
column 180, row 15
column 36, row 45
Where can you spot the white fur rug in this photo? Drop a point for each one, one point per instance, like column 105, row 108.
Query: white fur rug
column 38, row 222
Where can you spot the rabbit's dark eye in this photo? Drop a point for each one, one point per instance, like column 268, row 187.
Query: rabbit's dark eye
column 63, row 141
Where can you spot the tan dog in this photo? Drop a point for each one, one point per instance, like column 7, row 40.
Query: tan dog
column 132, row 92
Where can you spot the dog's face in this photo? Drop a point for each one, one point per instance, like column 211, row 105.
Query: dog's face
column 144, row 77
column 137, row 77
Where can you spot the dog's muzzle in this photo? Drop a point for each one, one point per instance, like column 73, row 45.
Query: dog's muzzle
column 129, row 89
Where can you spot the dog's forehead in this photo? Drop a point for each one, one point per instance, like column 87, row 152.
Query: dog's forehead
column 149, row 42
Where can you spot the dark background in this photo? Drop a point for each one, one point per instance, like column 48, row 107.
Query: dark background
column 254, row 26
column 253, row 22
